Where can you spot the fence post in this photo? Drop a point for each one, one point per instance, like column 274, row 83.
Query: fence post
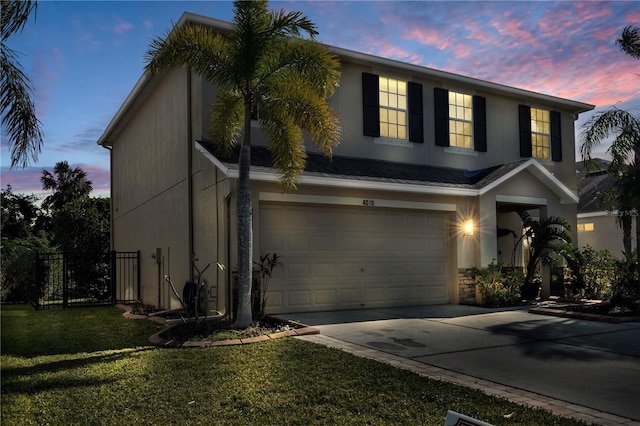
column 113, row 277
column 34, row 297
column 65, row 281
column 138, row 275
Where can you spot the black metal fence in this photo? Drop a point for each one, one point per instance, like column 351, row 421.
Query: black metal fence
column 67, row 279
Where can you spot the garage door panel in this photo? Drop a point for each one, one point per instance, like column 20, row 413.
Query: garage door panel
column 347, row 257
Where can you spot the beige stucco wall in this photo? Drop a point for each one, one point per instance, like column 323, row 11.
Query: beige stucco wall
column 502, row 127
column 150, row 187
column 607, row 235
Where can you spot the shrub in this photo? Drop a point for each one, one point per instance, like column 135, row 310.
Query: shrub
column 593, row 273
column 499, row 285
column 625, row 292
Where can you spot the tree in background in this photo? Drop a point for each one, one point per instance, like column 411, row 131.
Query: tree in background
column 626, row 128
column 68, row 184
column 264, row 64
column 18, row 110
column 23, row 235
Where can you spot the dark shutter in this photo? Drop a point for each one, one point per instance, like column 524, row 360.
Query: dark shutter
column 479, row 124
column 524, row 113
column 416, row 129
column 556, row 136
column 370, row 104
column 441, row 103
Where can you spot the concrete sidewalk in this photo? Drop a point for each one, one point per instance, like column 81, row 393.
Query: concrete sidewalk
column 583, row 369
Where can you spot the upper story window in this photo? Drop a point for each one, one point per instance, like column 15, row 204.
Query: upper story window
column 392, row 108
column 540, row 135
column 540, row 146
column 460, row 120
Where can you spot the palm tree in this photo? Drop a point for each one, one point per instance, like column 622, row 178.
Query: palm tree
column 67, row 184
column 263, row 64
column 546, row 238
column 626, row 128
column 18, row 110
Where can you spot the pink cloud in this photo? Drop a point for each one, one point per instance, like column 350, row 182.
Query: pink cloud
column 388, row 50
column 633, row 16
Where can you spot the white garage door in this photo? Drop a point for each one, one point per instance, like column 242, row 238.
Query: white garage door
column 337, row 257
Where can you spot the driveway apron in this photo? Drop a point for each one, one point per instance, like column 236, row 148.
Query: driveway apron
column 588, row 363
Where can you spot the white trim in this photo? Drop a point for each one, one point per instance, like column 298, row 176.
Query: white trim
column 597, row 214
column 514, row 199
column 220, row 165
column 354, row 201
column 461, row 151
column 405, row 143
column 365, row 184
column 546, row 177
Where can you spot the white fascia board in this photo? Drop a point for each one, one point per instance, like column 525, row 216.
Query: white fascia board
column 219, row 164
column 363, row 184
column 513, row 199
column 597, row 214
column 354, row 201
column 539, row 171
column 103, row 140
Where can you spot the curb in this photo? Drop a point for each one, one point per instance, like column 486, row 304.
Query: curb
column 583, row 315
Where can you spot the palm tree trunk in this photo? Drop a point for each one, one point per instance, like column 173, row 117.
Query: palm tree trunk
column 245, row 227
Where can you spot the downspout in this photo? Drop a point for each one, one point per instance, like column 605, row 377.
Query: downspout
column 190, row 173
column 229, row 276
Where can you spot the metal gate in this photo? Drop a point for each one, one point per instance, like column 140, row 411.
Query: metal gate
column 68, row 278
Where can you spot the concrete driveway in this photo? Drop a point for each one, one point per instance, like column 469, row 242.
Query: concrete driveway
column 591, row 364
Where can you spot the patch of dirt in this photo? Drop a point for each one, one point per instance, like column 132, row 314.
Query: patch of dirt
column 212, row 330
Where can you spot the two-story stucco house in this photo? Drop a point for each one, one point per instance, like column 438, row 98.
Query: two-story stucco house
column 430, row 166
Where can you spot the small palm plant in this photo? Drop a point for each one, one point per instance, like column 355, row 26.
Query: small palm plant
column 268, row 262
column 546, row 238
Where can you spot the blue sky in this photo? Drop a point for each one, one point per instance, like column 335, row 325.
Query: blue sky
column 84, row 57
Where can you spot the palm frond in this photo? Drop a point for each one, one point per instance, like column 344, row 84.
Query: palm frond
column 629, row 41
column 606, row 124
column 19, row 112
column 286, row 144
column 14, row 16
column 303, row 58
column 225, row 120
column 192, row 46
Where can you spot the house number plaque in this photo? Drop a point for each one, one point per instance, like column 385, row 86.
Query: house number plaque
column 368, row 202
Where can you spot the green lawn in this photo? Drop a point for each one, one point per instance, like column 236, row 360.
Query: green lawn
column 91, row 366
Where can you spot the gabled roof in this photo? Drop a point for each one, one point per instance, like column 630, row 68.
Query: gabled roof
column 349, row 172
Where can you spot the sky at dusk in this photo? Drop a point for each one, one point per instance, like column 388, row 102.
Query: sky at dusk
column 84, row 57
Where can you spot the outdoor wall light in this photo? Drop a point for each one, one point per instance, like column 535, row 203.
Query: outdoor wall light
column 467, row 227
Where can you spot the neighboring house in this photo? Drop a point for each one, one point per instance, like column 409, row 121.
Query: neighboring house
column 431, row 165
column 598, row 224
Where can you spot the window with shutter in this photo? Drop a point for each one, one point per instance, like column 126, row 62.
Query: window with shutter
column 460, row 120
column 392, row 108
column 540, row 134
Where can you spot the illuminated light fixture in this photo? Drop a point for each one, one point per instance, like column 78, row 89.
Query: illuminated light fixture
column 467, row 227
